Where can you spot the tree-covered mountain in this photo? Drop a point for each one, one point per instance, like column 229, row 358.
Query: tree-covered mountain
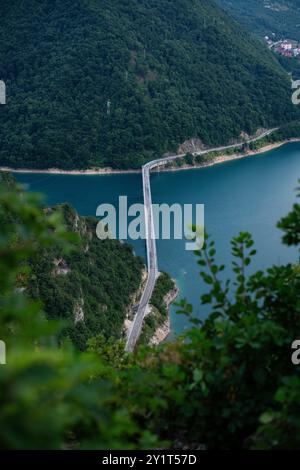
column 88, row 286
column 91, row 287
column 267, row 17
column 116, row 82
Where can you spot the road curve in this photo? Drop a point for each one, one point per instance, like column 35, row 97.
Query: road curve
column 137, row 324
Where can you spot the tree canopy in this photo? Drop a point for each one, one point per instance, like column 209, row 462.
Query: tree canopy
column 118, row 82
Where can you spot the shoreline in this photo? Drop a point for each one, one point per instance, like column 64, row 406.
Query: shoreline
column 227, row 158
column 57, row 171
column 163, row 330
column 110, row 171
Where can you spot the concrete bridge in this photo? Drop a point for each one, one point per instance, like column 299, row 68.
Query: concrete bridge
column 152, row 264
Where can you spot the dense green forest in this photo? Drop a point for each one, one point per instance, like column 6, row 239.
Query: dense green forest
column 116, row 82
column 264, row 17
column 88, row 287
column 227, row 383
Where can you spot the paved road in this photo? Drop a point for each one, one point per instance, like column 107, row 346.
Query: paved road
column 136, row 327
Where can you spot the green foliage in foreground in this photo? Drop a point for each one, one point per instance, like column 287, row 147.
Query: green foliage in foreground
column 227, row 383
column 50, row 397
column 170, row 70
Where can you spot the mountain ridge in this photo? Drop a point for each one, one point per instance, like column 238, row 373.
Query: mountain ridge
column 267, row 17
column 117, row 83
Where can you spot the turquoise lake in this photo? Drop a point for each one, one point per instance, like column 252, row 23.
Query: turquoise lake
column 250, row 194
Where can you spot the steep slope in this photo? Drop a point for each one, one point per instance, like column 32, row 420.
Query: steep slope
column 88, row 287
column 264, row 17
column 116, row 82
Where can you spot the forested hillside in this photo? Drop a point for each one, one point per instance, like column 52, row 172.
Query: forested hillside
column 89, row 286
column 116, row 82
column 264, row 17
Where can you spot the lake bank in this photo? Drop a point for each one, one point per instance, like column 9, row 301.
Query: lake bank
column 110, row 171
column 163, row 330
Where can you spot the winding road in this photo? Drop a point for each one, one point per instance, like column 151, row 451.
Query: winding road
column 137, row 324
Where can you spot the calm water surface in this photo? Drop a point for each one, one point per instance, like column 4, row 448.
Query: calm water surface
column 251, row 194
